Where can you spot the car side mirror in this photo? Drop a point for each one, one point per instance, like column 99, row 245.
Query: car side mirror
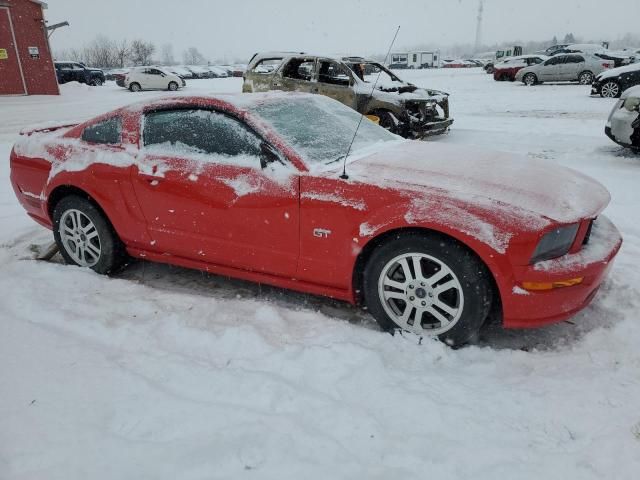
column 269, row 155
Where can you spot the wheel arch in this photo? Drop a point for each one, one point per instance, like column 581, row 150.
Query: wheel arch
column 388, row 235
column 65, row 190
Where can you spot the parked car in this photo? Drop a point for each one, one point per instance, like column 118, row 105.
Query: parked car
column 588, row 48
column 549, row 52
column 613, row 82
column 623, row 126
column 78, row 72
column 182, row 72
column 573, row 67
column 250, row 186
column 218, row 72
column 114, row 73
column 507, row 69
column 152, row 78
column 402, row 108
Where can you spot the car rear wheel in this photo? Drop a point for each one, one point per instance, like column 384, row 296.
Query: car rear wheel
column 585, row 78
column 85, row 237
column 173, row 86
column 135, row 87
column 428, row 285
column 530, row 79
column 610, row 89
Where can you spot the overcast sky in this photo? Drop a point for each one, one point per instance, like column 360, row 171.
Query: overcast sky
column 239, row 28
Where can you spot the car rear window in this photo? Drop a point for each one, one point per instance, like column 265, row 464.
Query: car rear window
column 106, row 132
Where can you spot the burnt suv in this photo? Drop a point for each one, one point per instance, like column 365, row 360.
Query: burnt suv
column 402, row 107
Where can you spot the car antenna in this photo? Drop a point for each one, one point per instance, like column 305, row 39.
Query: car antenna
column 344, row 175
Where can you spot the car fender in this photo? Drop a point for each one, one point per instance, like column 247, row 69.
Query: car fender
column 386, row 220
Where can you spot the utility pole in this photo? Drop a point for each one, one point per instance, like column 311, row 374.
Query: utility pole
column 479, row 26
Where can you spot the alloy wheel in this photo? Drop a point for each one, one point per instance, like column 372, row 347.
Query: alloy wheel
column 586, row 78
column 420, row 293
column 610, row 90
column 80, row 238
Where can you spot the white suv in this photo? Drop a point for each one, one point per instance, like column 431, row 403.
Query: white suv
column 152, row 78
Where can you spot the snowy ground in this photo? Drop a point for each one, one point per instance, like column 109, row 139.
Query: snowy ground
column 168, row 373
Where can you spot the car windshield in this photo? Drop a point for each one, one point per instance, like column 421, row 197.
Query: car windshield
column 319, row 128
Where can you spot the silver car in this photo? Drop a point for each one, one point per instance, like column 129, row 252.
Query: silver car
column 571, row 67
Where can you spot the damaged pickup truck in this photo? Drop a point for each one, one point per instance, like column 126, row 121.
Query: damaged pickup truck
column 402, row 108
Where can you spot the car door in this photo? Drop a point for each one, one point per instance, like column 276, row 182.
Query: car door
column 79, row 73
column 208, row 194
column 335, row 81
column 296, row 75
column 549, row 70
column 65, row 72
column 571, row 68
column 155, row 78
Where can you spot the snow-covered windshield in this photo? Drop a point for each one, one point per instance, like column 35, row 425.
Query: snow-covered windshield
column 319, row 128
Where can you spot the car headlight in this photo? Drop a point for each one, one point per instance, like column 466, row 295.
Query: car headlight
column 555, row 243
column 632, row 104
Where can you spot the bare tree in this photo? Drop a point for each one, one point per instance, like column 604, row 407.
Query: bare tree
column 166, row 55
column 192, row 56
column 101, row 52
column 141, row 52
column 122, row 52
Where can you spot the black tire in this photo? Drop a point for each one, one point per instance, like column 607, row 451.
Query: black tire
column 173, row 86
column 135, row 87
column 530, row 79
column 472, row 275
column 96, row 82
column 112, row 253
column 610, row 89
column 585, row 78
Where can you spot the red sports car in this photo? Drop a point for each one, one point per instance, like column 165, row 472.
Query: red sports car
column 431, row 238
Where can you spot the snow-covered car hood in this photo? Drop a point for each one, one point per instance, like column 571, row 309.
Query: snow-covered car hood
column 614, row 72
column 500, row 180
column 630, row 92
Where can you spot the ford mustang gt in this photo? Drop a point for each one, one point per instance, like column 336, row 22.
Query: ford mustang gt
column 431, row 238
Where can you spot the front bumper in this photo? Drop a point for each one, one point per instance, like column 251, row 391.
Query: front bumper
column 531, row 309
column 623, row 127
column 596, row 87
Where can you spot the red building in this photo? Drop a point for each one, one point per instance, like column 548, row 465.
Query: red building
column 26, row 65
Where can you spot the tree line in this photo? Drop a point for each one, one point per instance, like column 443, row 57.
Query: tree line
column 103, row 52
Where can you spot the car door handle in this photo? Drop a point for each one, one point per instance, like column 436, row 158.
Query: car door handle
column 151, row 179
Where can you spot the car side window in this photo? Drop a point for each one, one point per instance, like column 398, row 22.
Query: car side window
column 154, row 71
column 299, row 69
column 574, row 59
column 107, row 132
column 197, row 131
column 267, row 65
column 332, row 73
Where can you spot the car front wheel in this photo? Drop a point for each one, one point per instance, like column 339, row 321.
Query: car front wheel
column 84, row 236
column 97, row 82
column 530, row 79
column 173, row 86
column 610, row 90
column 428, row 285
